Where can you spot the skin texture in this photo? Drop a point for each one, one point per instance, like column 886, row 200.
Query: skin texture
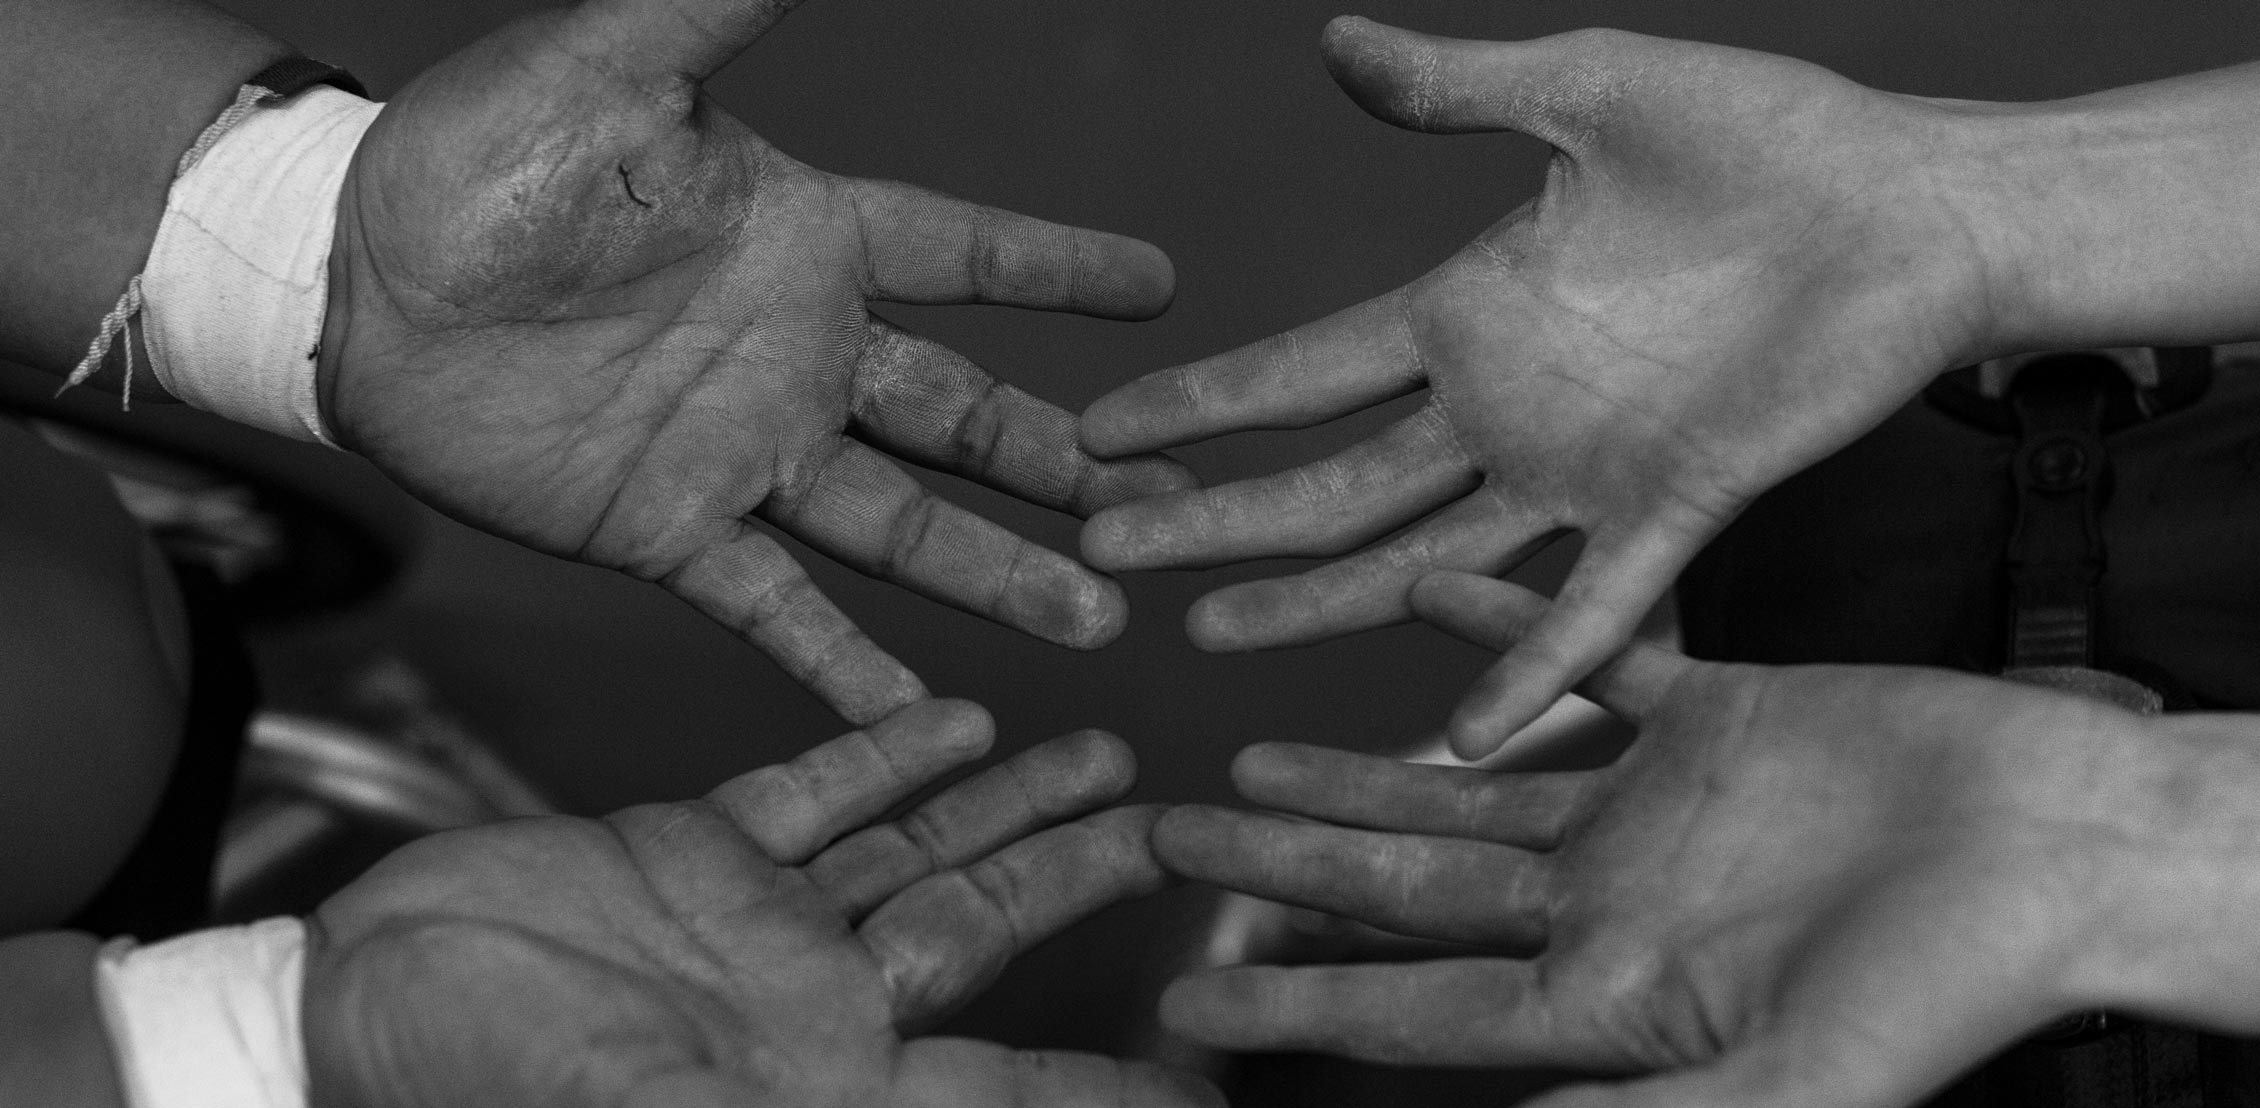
column 1812, row 885
column 1738, row 263
column 576, row 305
column 775, row 943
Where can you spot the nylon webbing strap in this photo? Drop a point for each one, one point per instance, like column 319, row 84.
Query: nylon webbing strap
column 2054, row 565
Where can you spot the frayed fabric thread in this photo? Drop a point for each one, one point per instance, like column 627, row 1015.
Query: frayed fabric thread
column 118, row 323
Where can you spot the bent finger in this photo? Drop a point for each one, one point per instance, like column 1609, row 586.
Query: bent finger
column 1527, row 810
column 1325, row 508
column 749, row 584
column 1352, row 359
column 1588, row 624
column 865, row 511
column 945, row 938
column 1036, row 788
column 793, row 808
column 1457, row 890
column 924, row 402
column 922, row 247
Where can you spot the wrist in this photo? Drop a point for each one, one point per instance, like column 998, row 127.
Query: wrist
column 2168, row 865
column 2126, row 218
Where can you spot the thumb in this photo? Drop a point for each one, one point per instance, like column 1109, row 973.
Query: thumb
column 1554, row 88
column 682, row 39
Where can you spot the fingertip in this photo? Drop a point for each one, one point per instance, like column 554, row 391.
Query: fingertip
column 1075, row 608
column 1345, row 33
column 964, row 727
column 1260, row 767
column 1146, row 281
column 1108, row 541
column 1364, row 58
column 1183, row 832
column 1215, row 625
column 1108, row 764
column 1109, row 427
column 1473, row 738
column 866, row 702
column 1212, row 1006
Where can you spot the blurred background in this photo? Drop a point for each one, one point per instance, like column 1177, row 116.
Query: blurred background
column 1208, row 128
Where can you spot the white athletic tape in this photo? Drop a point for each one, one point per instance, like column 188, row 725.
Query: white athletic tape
column 236, row 285
column 209, row 1019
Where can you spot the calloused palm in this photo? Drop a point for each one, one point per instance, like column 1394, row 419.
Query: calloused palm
column 1738, row 263
column 575, row 304
column 768, row 945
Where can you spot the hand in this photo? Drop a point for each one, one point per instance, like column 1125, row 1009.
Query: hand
column 1816, row 885
column 1739, row 262
column 766, row 945
column 578, row 306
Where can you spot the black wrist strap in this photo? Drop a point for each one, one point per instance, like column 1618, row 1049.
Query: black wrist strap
column 291, row 76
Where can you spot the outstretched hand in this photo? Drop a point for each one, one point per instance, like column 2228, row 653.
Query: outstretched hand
column 1738, row 263
column 770, row 944
column 1815, row 885
column 576, row 305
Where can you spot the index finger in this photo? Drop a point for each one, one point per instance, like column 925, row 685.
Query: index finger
column 1352, row 359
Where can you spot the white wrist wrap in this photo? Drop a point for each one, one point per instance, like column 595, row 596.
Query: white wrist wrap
column 209, row 1019
column 236, row 285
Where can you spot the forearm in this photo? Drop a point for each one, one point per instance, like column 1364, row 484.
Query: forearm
column 2125, row 218
column 105, row 96
column 53, row 1049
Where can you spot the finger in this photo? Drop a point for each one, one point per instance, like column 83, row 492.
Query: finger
column 1038, row 787
column 1452, row 1012
column 866, row 512
column 923, row 402
column 792, row 809
column 1368, row 589
column 1457, row 890
column 1355, row 358
column 1527, row 810
column 748, row 584
column 921, row 247
column 1588, row 624
column 1325, row 508
column 967, row 1073
column 684, row 39
column 1554, row 88
column 1497, row 614
column 945, row 938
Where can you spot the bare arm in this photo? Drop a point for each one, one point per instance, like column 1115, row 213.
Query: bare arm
column 52, row 1047
column 104, row 96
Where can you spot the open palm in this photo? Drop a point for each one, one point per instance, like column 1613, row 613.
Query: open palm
column 1814, row 885
column 1729, row 273
column 577, row 305
column 771, row 944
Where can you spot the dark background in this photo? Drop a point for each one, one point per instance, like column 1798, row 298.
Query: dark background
column 1210, row 129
